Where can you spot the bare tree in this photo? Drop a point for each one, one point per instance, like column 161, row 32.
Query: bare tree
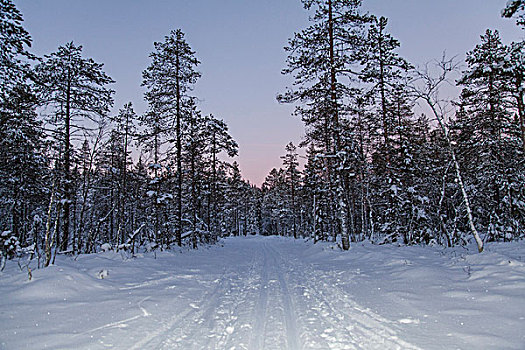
column 426, row 87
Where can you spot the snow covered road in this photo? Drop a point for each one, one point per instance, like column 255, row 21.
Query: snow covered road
column 251, row 293
column 264, row 298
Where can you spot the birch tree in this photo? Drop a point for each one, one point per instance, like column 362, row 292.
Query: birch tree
column 427, row 88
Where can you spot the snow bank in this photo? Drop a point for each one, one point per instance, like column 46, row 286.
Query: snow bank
column 443, row 298
column 260, row 292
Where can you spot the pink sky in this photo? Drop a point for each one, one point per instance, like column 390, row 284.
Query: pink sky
column 240, row 45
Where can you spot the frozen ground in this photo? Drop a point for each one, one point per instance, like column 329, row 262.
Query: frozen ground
column 271, row 293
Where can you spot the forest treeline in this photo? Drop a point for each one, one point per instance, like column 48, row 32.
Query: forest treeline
column 387, row 157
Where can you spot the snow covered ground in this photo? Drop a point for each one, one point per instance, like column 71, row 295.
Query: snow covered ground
column 271, row 293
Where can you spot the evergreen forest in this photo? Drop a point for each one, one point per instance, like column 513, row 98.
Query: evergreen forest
column 389, row 157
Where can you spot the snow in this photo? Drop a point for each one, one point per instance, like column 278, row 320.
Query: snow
column 106, row 247
column 271, row 293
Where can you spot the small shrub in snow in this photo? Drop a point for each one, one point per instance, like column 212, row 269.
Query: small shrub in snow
column 106, row 247
column 9, row 247
column 124, row 246
column 150, row 246
column 103, row 274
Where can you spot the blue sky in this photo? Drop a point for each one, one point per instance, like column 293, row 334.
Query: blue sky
column 239, row 43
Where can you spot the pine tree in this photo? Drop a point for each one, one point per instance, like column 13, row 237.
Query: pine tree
column 109, row 162
column 516, row 58
column 23, row 160
column 322, row 59
column 383, row 69
column 274, row 203
column 515, row 7
column 88, row 158
column 489, row 135
column 193, row 159
column 14, row 68
column 125, row 130
column 388, row 119
column 23, row 163
column 218, row 140
column 253, row 200
column 138, row 206
column 292, row 178
column 169, row 78
column 76, row 90
column 315, row 194
column 153, row 138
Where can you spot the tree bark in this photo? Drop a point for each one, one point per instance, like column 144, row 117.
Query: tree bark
column 178, row 232
column 48, row 244
column 521, row 111
column 459, row 178
column 67, row 167
column 341, row 204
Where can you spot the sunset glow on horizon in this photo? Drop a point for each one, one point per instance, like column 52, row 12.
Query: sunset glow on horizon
column 240, row 46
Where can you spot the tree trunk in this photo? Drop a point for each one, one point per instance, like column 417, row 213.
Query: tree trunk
column 383, row 102
column 213, row 196
column 67, row 168
column 48, row 244
column 157, row 186
column 336, row 134
column 521, row 111
column 178, row 232
column 459, row 178
column 293, row 204
column 123, row 190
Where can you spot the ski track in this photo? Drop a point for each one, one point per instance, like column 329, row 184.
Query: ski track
column 273, row 301
column 331, row 320
column 260, row 295
column 168, row 328
column 259, row 315
column 289, row 309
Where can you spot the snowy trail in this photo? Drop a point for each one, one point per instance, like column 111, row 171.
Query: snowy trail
column 250, row 307
column 259, row 314
column 271, row 301
column 329, row 318
column 289, row 310
column 265, row 293
column 332, row 320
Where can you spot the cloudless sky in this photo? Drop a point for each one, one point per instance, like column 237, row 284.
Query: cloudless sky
column 240, row 44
